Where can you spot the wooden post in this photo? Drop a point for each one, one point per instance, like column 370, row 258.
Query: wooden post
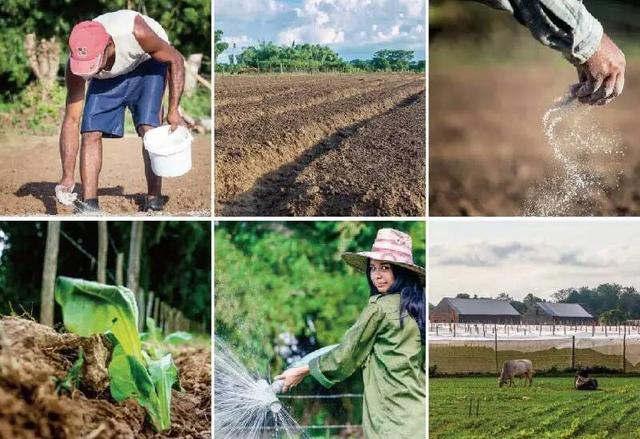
column 573, row 352
column 192, row 67
column 103, row 241
column 49, row 273
column 495, row 346
column 624, row 350
column 120, row 269
column 135, row 248
column 149, row 309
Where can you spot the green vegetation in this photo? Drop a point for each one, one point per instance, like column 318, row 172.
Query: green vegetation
column 33, row 102
column 91, row 308
column 271, row 58
column 551, row 408
column 175, row 262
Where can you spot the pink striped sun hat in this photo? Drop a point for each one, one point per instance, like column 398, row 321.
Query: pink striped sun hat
column 390, row 246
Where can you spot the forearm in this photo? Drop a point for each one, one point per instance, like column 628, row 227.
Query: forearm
column 564, row 25
column 176, row 82
column 69, row 144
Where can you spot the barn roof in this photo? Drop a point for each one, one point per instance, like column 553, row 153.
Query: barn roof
column 574, row 310
column 488, row 307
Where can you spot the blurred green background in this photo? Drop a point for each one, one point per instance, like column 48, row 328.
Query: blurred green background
column 282, row 290
column 175, row 262
column 30, row 105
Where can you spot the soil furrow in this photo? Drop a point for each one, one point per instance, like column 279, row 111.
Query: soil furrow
column 254, row 149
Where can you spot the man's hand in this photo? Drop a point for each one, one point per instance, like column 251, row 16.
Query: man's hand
column 174, row 119
column 601, row 76
column 292, row 377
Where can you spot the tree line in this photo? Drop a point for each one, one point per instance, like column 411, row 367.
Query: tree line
column 187, row 22
column 609, row 303
column 269, row 57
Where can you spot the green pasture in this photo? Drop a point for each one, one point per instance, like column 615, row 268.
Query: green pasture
column 551, row 408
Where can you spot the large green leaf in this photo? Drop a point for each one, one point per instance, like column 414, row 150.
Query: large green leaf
column 90, row 308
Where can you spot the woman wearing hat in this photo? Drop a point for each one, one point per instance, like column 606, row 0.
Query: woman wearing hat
column 387, row 342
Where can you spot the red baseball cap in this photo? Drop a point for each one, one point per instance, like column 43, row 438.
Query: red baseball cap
column 87, row 42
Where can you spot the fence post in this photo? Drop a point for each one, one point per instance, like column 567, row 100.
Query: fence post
column 573, row 352
column 495, row 346
column 624, row 350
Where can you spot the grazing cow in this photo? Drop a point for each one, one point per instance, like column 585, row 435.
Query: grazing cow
column 516, row 368
column 583, row 382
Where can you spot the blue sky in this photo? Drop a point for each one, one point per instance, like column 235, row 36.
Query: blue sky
column 353, row 28
column 488, row 257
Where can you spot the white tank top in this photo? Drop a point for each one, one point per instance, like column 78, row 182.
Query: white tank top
column 129, row 54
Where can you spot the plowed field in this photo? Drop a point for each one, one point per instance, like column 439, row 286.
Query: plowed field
column 319, row 145
column 488, row 154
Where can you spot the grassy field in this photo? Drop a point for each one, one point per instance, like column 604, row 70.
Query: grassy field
column 551, row 408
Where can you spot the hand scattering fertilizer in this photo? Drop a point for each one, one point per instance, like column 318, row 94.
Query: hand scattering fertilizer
column 170, row 152
column 248, row 407
column 586, row 155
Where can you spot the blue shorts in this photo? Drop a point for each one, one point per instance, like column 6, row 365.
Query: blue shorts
column 140, row 90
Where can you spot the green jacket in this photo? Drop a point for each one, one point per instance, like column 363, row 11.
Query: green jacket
column 393, row 370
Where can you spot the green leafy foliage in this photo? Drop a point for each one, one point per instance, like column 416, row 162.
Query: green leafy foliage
column 90, row 308
column 155, row 344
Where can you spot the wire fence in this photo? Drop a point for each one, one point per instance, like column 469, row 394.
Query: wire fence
column 346, row 429
column 472, row 349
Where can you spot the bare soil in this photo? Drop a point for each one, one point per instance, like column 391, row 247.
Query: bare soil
column 319, row 145
column 31, row 169
column 32, row 355
column 487, row 150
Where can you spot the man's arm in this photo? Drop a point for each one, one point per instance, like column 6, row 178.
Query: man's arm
column 567, row 26
column 162, row 51
column 70, row 132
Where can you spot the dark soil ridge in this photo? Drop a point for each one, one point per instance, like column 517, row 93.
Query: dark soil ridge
column 250, row 152
column 32, row 355
column 331, row 178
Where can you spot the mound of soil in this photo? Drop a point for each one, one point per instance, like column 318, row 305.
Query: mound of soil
column 32, row 356
column 276, row 139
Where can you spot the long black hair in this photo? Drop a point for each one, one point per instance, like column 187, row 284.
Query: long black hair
column 412, row 301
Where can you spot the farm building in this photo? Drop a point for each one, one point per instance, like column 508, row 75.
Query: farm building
column 451, row 310
column 558, row 313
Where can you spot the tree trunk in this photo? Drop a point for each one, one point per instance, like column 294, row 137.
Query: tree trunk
column 192, row 66
column 43, row 58
column 103, row 240
column 49, row 273
column 135, row 247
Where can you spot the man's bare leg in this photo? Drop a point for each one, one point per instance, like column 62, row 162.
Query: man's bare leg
column 90, row 163
column 154, row 183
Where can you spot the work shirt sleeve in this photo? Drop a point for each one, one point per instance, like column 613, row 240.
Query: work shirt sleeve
column 564, row 25
column 356, row 345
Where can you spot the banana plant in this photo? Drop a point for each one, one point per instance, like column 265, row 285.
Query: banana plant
column 90, row 308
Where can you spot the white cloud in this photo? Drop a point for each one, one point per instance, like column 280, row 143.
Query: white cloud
column 356, row 26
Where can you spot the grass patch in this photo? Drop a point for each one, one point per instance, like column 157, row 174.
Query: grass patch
column 551, row 408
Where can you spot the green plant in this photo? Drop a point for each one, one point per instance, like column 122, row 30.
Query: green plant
column 72, row 379
column 90, row 308
column 154, row 343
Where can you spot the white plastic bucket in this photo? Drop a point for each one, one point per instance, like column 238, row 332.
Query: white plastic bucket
column 170, row 153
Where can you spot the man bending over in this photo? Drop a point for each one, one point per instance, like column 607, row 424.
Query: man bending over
column 126, row 59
